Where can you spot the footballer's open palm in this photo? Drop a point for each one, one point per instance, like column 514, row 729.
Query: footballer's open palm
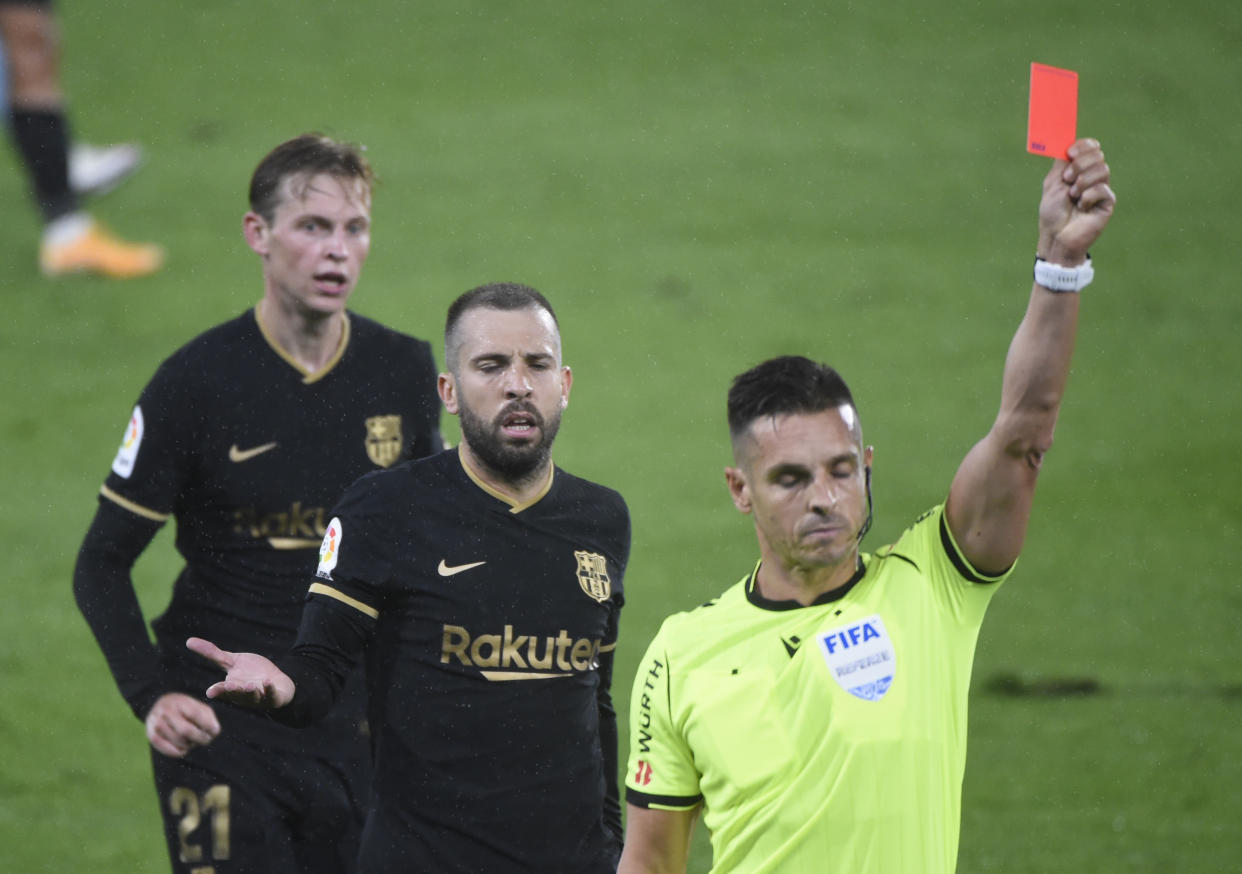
column 250, row 680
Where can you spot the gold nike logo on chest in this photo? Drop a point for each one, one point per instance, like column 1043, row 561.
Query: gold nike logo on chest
column 239, row 455
column 445, row 570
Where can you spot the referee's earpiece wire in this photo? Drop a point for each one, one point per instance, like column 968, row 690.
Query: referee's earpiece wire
column 866, row 525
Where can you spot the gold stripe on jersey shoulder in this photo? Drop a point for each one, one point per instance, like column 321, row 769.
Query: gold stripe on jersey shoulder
column 321, row 589
column 514, row 506
column 307, row 376
column 136, row 509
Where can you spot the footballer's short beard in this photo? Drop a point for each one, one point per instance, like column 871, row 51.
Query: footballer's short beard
column 516, row 463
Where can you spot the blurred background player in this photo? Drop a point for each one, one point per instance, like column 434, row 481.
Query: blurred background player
column 817, row 709
column 247, row 435
column 92, row 169
column 72, row 241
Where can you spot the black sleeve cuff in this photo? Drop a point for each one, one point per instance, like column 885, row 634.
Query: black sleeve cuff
column 671, row 802
column 960, row 562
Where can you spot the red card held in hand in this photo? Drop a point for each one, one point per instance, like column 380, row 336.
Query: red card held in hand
column 1053, row 117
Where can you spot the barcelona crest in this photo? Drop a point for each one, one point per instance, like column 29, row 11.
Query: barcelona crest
column 384, row 442
column 593, row 575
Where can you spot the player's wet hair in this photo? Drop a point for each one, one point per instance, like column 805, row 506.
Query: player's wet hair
column 307, row 155
column 495, row 296
column 791, row 384
column 779, row 386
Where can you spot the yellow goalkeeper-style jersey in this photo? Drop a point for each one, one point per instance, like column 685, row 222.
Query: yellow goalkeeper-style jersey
column 830, row 737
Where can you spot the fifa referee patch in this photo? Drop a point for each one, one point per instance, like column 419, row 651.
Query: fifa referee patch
column 329, row 549
column 861, row 657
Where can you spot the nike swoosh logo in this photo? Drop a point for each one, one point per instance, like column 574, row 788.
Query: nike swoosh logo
column 239, row 455
column 446, row 571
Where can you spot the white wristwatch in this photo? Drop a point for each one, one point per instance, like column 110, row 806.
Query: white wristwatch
column 1054, row 277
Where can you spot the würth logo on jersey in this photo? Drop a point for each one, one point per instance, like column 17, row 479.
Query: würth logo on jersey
column 384, row 439
column 520, row 656
column 593, row 575
column 643, row 776
column 650, row 680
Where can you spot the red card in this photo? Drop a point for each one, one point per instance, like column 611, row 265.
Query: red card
column 1053, row 118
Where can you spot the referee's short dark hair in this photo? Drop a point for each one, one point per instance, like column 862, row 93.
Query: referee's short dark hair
column 307, row 155
column 779, row 386
column 494, row 296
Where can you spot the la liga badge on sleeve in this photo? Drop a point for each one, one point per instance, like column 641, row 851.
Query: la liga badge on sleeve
column 860, row 657
column 127, row 454
column 329, row 549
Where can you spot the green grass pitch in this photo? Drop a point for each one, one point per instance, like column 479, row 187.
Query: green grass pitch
column 698, row 186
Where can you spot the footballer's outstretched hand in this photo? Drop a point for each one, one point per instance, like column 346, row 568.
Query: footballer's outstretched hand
column 250, row 680
column 1076, row 205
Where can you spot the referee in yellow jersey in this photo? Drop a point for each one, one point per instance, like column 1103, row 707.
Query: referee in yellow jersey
column 815, row 713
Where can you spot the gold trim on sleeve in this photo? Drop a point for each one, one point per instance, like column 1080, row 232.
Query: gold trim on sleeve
column 136, row 509
column 321, row 589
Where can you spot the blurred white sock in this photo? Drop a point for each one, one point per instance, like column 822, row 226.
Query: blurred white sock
column 66, row 229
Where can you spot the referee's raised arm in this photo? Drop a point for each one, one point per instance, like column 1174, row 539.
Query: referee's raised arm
column 990, row 499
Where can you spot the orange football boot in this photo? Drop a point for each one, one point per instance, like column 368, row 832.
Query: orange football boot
column 97, row 251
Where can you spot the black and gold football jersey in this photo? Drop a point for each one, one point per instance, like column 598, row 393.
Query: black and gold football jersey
column 489, row 630
column 248, row 452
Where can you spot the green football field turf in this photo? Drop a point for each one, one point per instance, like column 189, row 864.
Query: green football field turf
column 698, row 186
